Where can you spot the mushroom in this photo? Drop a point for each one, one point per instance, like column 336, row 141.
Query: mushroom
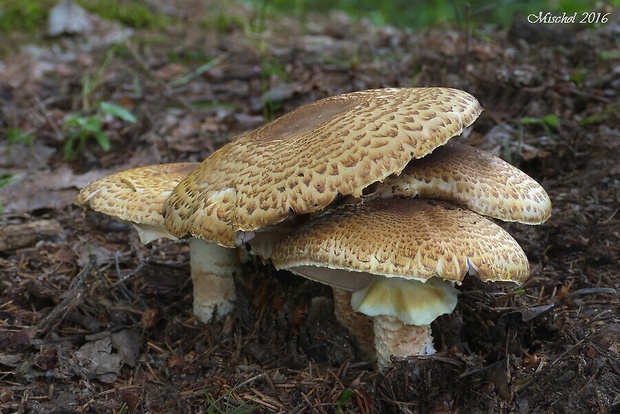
column 305, row 160
column 471, row 178
column 137, row 196
column 465, row 176
column 301, row 163
column 400, row 258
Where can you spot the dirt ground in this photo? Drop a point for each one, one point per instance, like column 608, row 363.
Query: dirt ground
column 93, row 321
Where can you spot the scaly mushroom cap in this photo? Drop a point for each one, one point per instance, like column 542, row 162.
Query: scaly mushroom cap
column 301, row 162
column 407, row 238
column 136, row 195
column 472, row 178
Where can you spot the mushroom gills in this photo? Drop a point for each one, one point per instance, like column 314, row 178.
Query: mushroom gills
column 340, row 278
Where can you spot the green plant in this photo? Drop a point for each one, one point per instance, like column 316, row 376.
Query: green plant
column 137, row 13
column 182, row 80
column 213, row 407
column 423, row 13
column 4, row 180
column 546, row 122
column 91, row 82
column 80, row 129
column 16, row 136
column 223, row 22
column 269, row 66
column 345, row 396
column 124, row 409
column 26, row 16
column 579, row 75
column 612, row 111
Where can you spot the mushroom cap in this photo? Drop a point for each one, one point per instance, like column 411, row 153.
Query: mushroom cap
column 475, row 179
column 302, row 161
column 407, row 238
column 136, row 195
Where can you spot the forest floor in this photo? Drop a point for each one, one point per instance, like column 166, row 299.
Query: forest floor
column 91, row 320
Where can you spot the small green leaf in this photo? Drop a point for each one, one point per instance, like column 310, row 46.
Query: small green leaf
column 67, row 150
column 601, row 116
column 117, row 112
column 551, row 120
column 526, row 120
column 4, row 179
column 17, row 135
column 72, row 120
column 92, row 124
column 103, row 140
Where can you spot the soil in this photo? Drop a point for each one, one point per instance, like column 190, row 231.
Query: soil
column 93, row 321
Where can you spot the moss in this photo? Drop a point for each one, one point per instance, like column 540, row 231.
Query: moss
column 134, row 14
column 25, row 16
column 223, row 22
column 29, row 16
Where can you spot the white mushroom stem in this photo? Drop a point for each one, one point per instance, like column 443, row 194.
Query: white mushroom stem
column 393, row 337
column 212, row 268
column 359, row 325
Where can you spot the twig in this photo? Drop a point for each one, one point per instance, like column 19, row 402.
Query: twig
column 72, row 298
column 50, row 121
column 120, row 285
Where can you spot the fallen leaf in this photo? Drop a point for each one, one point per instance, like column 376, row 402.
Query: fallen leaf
column 97, row 361
column 127, row 342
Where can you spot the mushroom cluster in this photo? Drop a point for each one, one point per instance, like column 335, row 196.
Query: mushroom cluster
column 393, row 260
column 397, row 211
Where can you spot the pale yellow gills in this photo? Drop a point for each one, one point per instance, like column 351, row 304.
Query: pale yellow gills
column 136, row 195
column 411, row 301
column 402, row 311
column 408, row 238
column 301, row 162
column 472, row 178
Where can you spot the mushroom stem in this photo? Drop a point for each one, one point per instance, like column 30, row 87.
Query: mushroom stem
column 212, row 268
column 393, row 337
column 359, row 325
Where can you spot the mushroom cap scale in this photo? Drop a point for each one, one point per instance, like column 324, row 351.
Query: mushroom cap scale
column 407, row 238
column 302, row 161
column 471, row 178
column 136, row 195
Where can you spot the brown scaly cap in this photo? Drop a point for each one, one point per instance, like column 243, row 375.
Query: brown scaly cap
column 408, row 238
column 475, row 179
column 302, row 161
column 136, row 195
